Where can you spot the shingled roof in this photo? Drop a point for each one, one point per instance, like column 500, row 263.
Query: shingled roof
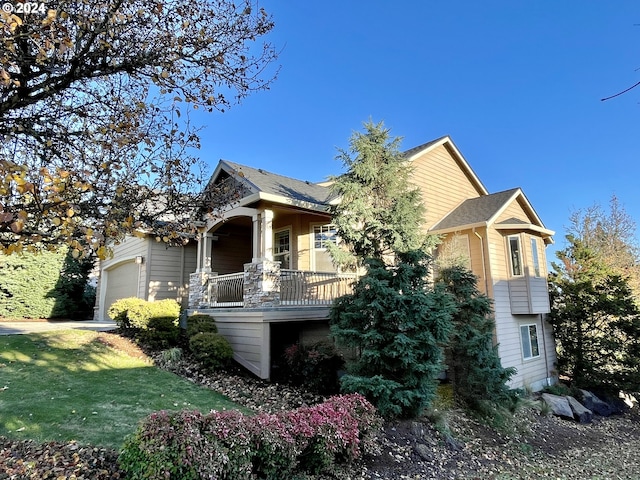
column 475, row 210
column 274, row 184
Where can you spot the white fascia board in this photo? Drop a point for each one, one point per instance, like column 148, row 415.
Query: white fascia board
column 293, row 202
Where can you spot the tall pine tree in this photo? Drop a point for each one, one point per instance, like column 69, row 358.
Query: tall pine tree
column 595, row 319
column 379, row 212
column 395, row 320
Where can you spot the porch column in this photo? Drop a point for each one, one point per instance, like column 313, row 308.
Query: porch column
column 256, row 237
column 206, row 250
column 199, row 254
column 267, row 235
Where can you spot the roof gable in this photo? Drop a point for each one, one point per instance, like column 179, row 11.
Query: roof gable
column 262, row 185
column 416, row 152
column 485, row 211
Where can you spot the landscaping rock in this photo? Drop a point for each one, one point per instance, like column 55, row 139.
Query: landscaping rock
column 597, row 406
column 423, row 451
column 559, row 405
column 580, row 412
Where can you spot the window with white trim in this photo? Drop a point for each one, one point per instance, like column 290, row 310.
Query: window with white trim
column 529, row 341
column 282, row 248
column 322, row 236
column 534, row 256
column 515, row 255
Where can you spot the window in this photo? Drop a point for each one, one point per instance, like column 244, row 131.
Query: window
column 534, row 256
column 515, row 255
column 529, row 339
column 282, row 248
column 322, row 236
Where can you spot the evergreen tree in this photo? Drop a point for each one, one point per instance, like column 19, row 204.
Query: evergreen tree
column 379, row 212
column 398, row 324
column 478, row 378
column 596, row 321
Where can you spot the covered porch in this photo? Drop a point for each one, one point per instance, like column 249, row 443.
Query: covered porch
column 261, row 258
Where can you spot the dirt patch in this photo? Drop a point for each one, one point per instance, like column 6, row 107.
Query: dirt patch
column 122, row 344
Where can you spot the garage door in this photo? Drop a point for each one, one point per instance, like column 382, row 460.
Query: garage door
column 122, row 282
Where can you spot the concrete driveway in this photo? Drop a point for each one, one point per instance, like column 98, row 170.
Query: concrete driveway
column 15, row 328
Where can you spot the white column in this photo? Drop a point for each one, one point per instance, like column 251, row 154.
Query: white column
column 199, row 254
column 267, row 234
column 256, row 237
column 208, row 245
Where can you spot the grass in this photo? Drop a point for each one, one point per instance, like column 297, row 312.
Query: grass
column 67, row 386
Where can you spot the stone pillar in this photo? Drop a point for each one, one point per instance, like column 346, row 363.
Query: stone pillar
column 261, row 284
column 197, row 286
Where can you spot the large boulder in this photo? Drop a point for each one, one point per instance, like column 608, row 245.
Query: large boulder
column 580, row 412
column 597, row 406
column 559, row 405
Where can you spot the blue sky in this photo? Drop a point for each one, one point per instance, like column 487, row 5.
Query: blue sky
column 516, row 84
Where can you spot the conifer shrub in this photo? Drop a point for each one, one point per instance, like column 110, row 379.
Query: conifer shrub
column 45, row 285
column 398, row 323
column 211, row 349
column 477, row 375
column 229, row 445
column 200, row 323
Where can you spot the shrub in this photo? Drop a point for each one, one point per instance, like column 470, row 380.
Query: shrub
column 314, row 366
column 135, row 313
column 398, row 323
column 230, row 445
column 211, row 349
column 129, row 312
column 200, row 323
column 161, row 332
column 45, row 285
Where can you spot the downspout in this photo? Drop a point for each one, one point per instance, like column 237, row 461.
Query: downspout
column 544, row 347
column 484, row 271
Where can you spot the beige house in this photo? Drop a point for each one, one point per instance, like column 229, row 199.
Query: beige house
column 145, row 268
column 262, row 270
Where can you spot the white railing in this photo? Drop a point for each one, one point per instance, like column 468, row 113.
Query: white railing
column 298, row 287
column 225, row 290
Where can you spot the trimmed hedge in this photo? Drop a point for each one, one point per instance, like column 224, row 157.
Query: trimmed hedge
column 135, row 312
column 188, row 445
column 211, row 349
column 200, row 323
column 45, row 285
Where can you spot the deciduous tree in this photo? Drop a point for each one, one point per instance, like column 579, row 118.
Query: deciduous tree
column 94, row 101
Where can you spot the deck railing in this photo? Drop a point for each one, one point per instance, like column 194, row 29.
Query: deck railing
column 225, row 290
column 298, row 287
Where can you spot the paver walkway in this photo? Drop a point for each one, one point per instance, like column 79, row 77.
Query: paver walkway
column 13, row 328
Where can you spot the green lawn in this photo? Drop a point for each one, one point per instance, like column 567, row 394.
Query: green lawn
column 69, row 386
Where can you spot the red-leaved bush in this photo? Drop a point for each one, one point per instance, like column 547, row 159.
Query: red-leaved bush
column 188, row 445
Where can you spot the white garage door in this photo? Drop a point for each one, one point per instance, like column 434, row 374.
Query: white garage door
column 122, row 282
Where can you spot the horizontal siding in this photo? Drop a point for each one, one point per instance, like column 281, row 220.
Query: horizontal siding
column 232, row 249
column 169, row 270
column 442, row 182
column 539, row 295
column 246, row 340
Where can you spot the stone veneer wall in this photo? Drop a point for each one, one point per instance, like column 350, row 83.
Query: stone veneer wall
column 261, row 284
column 197, row 285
